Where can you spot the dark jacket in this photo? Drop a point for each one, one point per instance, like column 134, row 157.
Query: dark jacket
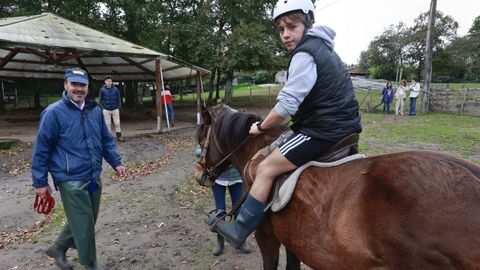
column 71, row 144
column 110, row 98
column 330, row 110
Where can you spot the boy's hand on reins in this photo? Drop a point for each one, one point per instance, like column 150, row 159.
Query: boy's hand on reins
column 254, row 130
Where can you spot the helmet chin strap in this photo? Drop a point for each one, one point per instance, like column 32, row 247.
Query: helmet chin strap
column 308, row 25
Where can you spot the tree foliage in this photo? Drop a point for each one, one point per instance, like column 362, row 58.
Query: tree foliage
column 454, row 58
column 224, row 35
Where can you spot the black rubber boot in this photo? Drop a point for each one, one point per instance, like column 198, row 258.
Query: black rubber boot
column 119, row 137
column 220, row 245
column 245, row 247
column 249, row 217
column 58, row 252
column 93, row 266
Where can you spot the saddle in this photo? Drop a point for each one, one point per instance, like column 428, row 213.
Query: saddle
column 342, row 152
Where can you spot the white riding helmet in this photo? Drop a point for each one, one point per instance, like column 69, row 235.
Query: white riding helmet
column 285, row 6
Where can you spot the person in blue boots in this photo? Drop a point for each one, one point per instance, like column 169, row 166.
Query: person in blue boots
column 319, row 97
column 71, row 143
column 233, row 181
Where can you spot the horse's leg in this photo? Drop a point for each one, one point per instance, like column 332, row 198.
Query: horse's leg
column 268, row 244
column 293, row 263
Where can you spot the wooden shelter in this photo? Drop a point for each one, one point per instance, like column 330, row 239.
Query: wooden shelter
column 43, row 46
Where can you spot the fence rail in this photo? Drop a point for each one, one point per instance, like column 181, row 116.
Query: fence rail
column 463, row 101
column 455, row 101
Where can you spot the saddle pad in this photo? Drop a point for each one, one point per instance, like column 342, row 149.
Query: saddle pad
column 284, row 187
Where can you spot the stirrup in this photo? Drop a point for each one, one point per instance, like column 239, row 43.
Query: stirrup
column 214, row 217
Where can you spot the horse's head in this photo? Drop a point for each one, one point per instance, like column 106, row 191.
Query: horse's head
column 210, row 154
column 221, row 131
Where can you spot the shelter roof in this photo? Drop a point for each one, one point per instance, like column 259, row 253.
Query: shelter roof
column 43, row 46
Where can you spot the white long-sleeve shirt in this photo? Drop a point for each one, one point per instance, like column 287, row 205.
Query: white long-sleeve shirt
column 414, row 90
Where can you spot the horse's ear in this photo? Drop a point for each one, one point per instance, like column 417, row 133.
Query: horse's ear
column 206, row 116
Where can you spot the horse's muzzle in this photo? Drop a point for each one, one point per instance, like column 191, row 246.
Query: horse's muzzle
column 203, row 176
column 206, row 179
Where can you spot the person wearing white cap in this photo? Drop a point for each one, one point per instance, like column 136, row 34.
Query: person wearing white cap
column 318, row 96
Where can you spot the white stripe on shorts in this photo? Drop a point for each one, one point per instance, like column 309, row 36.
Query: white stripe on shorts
column 296, row 141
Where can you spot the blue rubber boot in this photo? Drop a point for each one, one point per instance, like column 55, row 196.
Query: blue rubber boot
column 250, row 216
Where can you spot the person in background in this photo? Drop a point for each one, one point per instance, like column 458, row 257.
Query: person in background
column 167, row 99
column 414, row 92
column 111, row 103
column 231, row 180
column 387, row 97
column 400, row 97
column 318, row 96
column 71, row 143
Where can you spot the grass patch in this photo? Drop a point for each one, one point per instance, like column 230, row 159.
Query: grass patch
column 189, row 193
column 109, row 199
column 451, row 133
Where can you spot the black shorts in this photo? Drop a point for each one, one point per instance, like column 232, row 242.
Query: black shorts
column 300, row 149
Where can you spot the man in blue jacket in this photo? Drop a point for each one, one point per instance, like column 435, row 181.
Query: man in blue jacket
column 111, row 102
column 72, row 139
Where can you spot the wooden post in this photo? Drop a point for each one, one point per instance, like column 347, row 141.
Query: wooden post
column 158, row 83
column 269, row 98
column 428, row 57
column 199, row 97
column 464, row 101
column 250, row 93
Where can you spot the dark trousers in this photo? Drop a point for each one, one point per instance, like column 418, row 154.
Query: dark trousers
column 219, row 195
column 81, row 209
column 386, row 107
column 170, row 113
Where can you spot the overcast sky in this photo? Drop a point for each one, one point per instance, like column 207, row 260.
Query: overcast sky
column 357, row 22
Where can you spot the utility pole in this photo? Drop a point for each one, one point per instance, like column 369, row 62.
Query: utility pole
column 428, row 57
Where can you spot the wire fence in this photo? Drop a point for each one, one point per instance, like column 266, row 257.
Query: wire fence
column 464, row 101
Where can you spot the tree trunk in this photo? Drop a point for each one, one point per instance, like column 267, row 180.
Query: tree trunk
column 229, row 88
column 2, row 104
column 210, row 87
column 36, row 96
column 217, row 86
column 130, row 94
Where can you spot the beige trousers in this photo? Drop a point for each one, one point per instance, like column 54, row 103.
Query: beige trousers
column 399, row 106
column 115, row 114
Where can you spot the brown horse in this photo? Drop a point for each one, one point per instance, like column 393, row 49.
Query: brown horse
column 409, row 210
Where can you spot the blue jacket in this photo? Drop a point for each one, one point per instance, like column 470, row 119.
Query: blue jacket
column 109, row 98
column 387, row 95
column 71, row 144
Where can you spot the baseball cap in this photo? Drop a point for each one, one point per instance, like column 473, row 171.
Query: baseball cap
column 76, row 75
column 167, row 87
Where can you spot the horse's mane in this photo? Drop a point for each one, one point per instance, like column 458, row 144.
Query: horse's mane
column 232, row 127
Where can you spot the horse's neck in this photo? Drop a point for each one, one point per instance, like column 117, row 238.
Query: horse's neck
column 251, row 147
column 246, row 152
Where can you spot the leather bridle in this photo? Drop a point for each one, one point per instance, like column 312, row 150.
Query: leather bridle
column 209, row 172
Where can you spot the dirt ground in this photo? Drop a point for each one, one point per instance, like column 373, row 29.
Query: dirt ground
column 153, row 221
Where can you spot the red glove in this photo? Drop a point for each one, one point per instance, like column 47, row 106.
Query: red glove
column 45, row 205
